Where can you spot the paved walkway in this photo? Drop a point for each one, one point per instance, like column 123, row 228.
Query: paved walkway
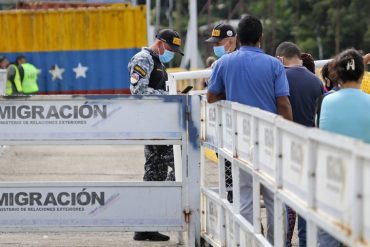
column 78, row 163
column 74, row 163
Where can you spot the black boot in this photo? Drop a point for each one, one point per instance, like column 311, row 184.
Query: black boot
column 151, row 236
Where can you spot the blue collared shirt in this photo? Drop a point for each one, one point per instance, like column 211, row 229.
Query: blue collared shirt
column 251, row 77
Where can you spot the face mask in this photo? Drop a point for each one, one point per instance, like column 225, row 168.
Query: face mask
column 167, row 56
column 219, row 50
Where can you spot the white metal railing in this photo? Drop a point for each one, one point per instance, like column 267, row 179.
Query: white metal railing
column 322, row 176
column 103, row 206
column 174, row 78
column 321, row 63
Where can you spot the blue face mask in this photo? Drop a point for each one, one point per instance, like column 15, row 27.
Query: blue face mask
column 219, row 50
column 167, row 56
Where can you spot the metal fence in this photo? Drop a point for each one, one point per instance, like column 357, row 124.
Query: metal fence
column 103, row 206
column 322, row 176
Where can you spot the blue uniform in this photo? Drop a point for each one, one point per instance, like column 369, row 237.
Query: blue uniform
column 148, row 76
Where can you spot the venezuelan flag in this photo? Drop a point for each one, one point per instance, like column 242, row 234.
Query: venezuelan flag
column 78, row 51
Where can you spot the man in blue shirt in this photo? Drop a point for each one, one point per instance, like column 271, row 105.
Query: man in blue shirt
column 251, row 77
column 305, row 89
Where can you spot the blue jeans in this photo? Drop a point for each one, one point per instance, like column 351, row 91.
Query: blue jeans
column 301, row 229
column 246, row 203
column 326, row 240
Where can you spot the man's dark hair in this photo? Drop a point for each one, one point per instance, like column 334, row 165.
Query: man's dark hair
column 349, row 65
column 249, row 30
column 288, row 50
column 19, row 58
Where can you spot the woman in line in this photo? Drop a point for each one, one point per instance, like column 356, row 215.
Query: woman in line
column 346, row 111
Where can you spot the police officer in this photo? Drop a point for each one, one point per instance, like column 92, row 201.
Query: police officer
column 22, row 77
column 148, row 76
column 223, row 39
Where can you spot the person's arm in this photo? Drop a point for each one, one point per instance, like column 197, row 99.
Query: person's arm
column 282, row 92
column 140, row 68
column 318, row 110
column 284, row 108
column 10, row 73
column 216, row 88
column 211, row 97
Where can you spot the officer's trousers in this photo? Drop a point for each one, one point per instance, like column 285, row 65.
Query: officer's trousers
column 158, row 160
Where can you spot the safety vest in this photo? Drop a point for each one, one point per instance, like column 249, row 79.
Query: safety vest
column 10, row 87
column 29, row 82
column 25, row 85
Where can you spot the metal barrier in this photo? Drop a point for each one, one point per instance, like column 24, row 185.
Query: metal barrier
column 103, row 206
column 174, row 78
column 3, row 80
column 320, row 175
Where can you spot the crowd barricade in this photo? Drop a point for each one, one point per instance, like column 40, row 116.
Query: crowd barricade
column 103, row 206
column 320, row 175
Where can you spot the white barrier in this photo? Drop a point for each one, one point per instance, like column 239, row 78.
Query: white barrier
column 320, row 175
column 103, row 206
column 171, row 84
column 3, row 80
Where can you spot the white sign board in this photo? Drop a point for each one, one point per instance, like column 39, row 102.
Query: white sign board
column 131, row 205
column 266, row 147
column 295, row 164
column 245, row 144
column 246, row 238
column 366, row 205
column 334, row 185
column 227, row 129
column 3, row 80
column 230, row 237
column 213, row 220
column 91, row 119
column 211, row 124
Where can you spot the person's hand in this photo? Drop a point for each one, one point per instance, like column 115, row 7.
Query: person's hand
column 366, row 58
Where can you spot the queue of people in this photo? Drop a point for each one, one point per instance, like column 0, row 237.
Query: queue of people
column 285, row 85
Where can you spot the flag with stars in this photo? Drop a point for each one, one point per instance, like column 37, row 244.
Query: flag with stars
column 82, row 51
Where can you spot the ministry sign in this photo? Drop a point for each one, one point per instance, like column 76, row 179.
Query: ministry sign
column 81, row 118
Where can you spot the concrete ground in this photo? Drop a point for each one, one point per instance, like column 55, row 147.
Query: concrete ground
column 78, row 163
column 74, row 163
